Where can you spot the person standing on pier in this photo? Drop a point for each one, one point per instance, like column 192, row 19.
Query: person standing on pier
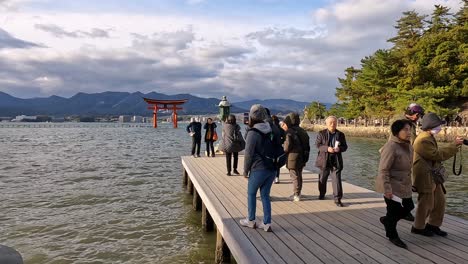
column 233, row 143
column 331, row 143
column 396, row 161
column 260, row 174
column 210, row 132
column 194, row 129
column 414, row 113
column 276, row 123
column 297, row 147
column 431, row 191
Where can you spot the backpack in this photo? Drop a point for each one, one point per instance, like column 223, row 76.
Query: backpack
column 273, row 154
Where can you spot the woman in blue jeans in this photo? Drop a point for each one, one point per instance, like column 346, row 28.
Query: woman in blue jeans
column 260, row 177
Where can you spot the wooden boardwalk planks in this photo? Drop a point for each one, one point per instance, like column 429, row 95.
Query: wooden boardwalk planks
column 315, row 231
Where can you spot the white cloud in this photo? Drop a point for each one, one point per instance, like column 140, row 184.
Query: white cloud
column 199, row 55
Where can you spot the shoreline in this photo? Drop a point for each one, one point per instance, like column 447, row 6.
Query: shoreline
column 447, row 134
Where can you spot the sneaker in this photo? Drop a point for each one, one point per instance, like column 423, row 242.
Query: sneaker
column 194, row 155
column 236, row 172
column 198, row 155
column 436, row 230
column 424, row 231
column 297, row 198
column 397, row 242
column 265, row 227
column 213, row 155
column 339, row 203
column 229, row 173
column 277, row 180
column 246, row 222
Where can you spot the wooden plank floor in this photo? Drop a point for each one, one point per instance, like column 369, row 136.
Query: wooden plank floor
column 315, row 231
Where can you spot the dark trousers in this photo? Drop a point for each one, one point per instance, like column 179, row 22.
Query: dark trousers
column 209, row 145
column 336, row 182
column 196, row 142
column 228, row 160
column 395, row 212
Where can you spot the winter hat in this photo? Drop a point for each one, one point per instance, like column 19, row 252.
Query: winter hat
column 257, row 112
column 431, row 121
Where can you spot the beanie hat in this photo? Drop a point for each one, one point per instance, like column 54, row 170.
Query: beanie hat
column 257, row 112
column 431, row 121
column 414, row 108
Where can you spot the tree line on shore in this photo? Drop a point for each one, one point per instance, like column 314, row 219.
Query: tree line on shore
column 427, row 64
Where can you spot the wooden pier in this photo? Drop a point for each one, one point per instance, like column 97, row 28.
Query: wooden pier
column 312, row 230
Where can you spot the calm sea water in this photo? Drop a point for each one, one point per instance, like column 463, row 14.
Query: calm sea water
column 98, row 194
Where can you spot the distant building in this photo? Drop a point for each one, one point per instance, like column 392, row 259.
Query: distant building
column 24, row 118
column 125, row 119
column 137, row 119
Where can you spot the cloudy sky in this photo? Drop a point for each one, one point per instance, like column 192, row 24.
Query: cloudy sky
column 244, row 49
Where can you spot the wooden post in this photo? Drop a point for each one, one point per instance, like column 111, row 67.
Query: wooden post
column 197, row 202
column 223, row 254
column 174, row 115
column 207, row 221
column 190, row 186
column 184, row 177
column 155, row 116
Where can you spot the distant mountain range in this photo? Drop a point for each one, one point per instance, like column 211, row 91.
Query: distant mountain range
column 123, row 103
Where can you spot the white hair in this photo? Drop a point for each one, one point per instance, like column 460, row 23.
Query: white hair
column 329, row 118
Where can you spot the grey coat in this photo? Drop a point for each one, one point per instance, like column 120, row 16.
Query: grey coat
column 231, row 132
column 396, row 161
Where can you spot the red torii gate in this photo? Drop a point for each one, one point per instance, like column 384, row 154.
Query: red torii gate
column 156, row 105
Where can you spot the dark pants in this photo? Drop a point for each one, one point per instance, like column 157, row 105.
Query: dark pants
column 196, row 142
column 209, row 145
column 395, row 212
column 228, row 160
column 336, row 182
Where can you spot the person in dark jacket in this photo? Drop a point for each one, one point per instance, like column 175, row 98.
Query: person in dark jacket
column 233, row 143
column 194, row 129
column 396, row 161
column 331, row 143
column 276, row 123
column 210, row 128
column 297, row 147
column 255, row 168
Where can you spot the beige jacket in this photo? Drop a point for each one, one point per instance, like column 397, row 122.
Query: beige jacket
column 395, row 167
column 426, row 152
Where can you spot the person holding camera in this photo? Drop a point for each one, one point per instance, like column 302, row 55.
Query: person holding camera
column 426, row 168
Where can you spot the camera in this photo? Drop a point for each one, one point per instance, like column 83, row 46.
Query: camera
column 465, row 142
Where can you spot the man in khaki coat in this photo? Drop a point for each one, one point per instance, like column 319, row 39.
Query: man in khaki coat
column 431, row 196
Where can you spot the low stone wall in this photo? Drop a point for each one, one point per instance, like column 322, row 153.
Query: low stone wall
column 446, row 135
